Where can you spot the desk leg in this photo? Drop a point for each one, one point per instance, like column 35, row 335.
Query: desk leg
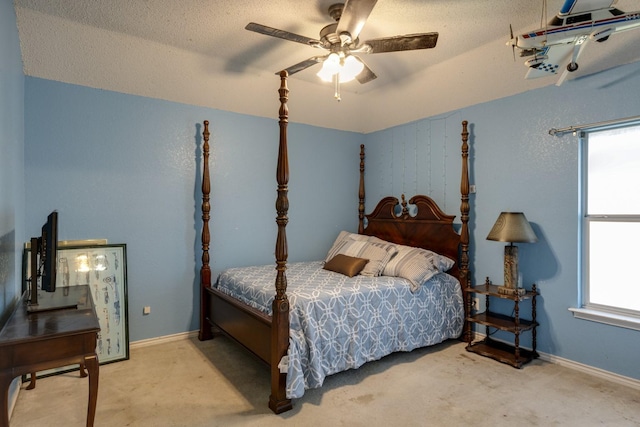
column 32, row 382
column 83, row 371
column 5, row 382
column 91, row 363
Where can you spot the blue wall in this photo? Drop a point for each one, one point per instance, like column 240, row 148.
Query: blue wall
column 11, row 166
column 127, row 169
column 517, row 166
column 11, row 159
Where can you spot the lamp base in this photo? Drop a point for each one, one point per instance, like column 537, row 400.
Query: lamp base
column 511, row 291
column 511, row 266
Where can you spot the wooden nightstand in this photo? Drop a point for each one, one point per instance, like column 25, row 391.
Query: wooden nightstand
column 505, row 353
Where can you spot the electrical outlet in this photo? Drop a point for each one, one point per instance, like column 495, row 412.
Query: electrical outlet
column 475, row 304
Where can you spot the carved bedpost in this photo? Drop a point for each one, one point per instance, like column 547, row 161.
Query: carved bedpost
column 205, row 270
column 361, row 193
column 278, row 401
column 465, row 280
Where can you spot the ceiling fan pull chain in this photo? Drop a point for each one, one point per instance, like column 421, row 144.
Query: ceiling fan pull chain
column 336, row 76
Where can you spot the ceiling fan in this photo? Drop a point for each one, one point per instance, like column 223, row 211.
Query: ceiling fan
column 340, row 40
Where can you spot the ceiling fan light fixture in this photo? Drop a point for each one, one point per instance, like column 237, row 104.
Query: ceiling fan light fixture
column 330, row 67
column 325, row 75
column 350, row 69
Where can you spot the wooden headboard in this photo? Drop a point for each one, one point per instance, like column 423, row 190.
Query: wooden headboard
column 424, row 225
column 430, row 228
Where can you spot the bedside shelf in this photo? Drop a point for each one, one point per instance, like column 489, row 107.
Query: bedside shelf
column 503, row 352
column 502, row 322
column 494, row 291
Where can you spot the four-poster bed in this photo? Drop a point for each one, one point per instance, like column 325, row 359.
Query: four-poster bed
column 280, row 330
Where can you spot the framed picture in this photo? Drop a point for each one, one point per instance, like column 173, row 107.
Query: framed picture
column 104, row 268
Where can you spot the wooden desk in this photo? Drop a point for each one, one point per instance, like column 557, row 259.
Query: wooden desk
column 31, row 342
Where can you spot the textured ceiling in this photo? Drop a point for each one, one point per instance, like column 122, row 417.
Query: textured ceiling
column 198, row 52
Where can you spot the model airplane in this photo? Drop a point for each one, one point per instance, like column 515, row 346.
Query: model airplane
column 562, row 40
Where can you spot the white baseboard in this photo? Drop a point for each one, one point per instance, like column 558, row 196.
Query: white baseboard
column 14, row 391
column 589, row 370
column 596, row 372
column 163, row 339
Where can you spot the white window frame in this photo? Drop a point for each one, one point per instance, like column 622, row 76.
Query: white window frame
column 610, row 315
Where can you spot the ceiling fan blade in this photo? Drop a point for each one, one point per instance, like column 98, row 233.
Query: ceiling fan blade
column 399, row 43
column 304, row 64
column 286, row 35
column 366, row 75
column 354, row 16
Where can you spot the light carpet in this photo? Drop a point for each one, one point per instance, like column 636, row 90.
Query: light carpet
column 216, row 383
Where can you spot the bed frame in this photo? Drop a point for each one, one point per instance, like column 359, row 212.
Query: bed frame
column 267, row 337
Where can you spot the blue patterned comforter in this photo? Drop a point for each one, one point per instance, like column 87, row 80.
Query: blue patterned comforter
column 339, row 323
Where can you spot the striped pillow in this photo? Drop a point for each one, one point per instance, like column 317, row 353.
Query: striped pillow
column 416, row 265
column 378, row 254
column 441, row 262
column 342, row 236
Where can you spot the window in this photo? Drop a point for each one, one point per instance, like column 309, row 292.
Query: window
column 611, row 223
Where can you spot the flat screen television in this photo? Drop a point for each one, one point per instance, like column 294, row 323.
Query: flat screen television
column 48, row 253
column 44, row 262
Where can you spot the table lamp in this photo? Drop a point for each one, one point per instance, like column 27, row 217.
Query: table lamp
column 511, row 227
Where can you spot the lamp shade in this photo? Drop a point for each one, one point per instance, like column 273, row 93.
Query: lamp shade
column 512, row 227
